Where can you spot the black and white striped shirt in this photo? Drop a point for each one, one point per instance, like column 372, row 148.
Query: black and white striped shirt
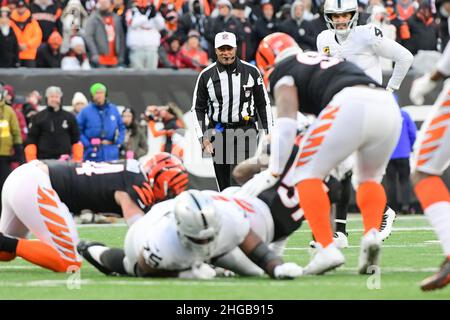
column 229, row 96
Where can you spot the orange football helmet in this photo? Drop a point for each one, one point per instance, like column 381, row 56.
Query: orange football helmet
column 270, row 47
column 167, row 175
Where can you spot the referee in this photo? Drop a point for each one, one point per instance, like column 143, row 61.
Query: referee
column 232, row 94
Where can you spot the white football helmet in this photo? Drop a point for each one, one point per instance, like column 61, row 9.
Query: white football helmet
column 341, row 6
column 198, row 222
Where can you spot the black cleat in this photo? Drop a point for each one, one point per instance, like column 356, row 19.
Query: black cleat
column 438, row 280
column 82, row 249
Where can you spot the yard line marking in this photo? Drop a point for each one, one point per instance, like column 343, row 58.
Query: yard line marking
column 4, row 267
column 112, row 225
column 399, row 229
column 415, row 245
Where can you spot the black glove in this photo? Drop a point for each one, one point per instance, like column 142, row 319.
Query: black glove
column 18, row 155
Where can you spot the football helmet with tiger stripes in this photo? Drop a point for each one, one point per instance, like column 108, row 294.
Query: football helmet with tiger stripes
column 167, row 175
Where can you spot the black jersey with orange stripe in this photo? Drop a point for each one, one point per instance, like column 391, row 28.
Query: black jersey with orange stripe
column 283, row 201
column 282, row 198
column 91, row 185
column 318, row 78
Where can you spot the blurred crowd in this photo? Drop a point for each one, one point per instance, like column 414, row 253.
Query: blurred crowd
column 177, row 34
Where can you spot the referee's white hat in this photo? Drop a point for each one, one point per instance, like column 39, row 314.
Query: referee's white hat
column 225, row 39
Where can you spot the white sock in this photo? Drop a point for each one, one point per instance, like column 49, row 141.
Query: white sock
column 96, row 252
column 438, row 215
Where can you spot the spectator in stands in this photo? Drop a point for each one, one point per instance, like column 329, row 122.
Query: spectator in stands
column 380, row 19
column 135, row 143
column 11, row 4
column 443, row 9
column 284, row 13
column 194, row 19
column 54, row 132
column 247, row 48
column 401, row 26
column 223, row 22
column 28, row 33
column 47, row 13
column 171, row 56
column 192, row 50
column 10, row 101
column 120, row 8
column 405, row 9
column 76, row 58
column 30, row 107
column 171, row 23
column 79, row 102
column 317, row 25
column 267, row 23
column 307, row 14
column 101, row 127
column 73, row 20
column 143, row 38
column 48, row 55
column 171, row 118
column 9, row 48
column 10, row 139
column 298, row 28
column 398, row 168
column 423, row 29
column 104, row 37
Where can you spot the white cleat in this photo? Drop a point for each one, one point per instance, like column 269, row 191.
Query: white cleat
column 369, row 255
column 387, row 223
column 324, row 260
column 340, row 240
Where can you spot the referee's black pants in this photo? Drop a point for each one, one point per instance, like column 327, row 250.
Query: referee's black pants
column 399, row 170
column 231, row 147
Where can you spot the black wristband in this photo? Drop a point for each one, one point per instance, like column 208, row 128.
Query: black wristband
column 263, row 257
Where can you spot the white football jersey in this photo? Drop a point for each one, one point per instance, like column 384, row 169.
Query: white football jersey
column 156, row 232
column 364, row 46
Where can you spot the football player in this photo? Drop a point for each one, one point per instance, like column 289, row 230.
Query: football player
column 167, row 175
column 354, row 114
column 177, row 236
column 432, row 157
column 364, row 46
column 41, row 195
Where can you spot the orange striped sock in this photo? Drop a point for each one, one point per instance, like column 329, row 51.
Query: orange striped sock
column 44, row 255
column 316, row 205
column 371, row 200
column 431, row 190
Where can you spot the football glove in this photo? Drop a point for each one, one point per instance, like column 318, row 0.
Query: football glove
column 288, row 270
column 420, row 87
column 199, row 270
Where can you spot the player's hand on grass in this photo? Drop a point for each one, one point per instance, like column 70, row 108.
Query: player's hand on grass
column 288, row 270
column 200, row 271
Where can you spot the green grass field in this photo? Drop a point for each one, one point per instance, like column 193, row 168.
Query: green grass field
column 410, row 254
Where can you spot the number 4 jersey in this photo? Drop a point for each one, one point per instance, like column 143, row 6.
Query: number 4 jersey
column 91, row 185
column 317, row 78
